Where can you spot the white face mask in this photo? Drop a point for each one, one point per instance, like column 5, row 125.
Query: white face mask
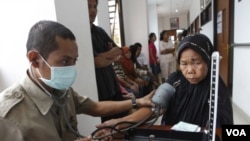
column 61, row 77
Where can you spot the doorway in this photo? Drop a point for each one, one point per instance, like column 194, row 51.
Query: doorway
column 222, row 38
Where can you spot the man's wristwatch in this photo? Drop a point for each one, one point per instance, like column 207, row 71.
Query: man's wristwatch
column 134, row 103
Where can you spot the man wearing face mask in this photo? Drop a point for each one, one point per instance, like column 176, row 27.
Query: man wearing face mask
column 43, row 104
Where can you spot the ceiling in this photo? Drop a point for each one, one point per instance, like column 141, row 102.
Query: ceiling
column 169, row 7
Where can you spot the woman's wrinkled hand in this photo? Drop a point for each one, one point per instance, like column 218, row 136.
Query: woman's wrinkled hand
column 111, row 127
column 107, row 130
column 110, row 122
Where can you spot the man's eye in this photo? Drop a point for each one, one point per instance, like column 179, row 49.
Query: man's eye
column 65, row 62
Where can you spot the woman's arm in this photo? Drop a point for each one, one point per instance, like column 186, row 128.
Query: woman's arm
column 142, row 114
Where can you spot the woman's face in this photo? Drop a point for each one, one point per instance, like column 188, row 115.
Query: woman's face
column 192, row 66
column 165, row 36
column 128, row 54
column 153, row 38
column 138, row 51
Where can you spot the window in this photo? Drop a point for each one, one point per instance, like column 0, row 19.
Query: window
column 116, row 22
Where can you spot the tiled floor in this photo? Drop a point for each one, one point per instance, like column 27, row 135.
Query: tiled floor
column 239, row 116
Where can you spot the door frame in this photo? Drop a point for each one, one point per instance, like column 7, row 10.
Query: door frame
column 231, row 39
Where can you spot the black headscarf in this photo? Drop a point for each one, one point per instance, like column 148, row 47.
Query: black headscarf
column 198, row 42
column 190, row 102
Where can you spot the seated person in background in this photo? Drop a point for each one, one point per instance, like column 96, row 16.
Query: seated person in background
column 126, row 94
column 128, row 67
column 125, row 82
column 142, row 71
column 43, row 104
column 192, row 83
column 135, row 54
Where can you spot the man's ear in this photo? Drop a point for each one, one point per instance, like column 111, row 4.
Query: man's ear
column 34, row 58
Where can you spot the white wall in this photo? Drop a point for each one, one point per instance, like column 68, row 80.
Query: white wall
column 74, row 15
column 194, row 10
column 241, row 69
column 208, row 28
column 136, row 23
column 241, row 29
column 16, row 19
column 103, row 16
column 241, row 77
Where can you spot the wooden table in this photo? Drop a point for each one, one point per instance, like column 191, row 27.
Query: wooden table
column 168, row 128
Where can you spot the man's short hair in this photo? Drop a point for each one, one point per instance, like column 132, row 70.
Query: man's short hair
column 42, row 36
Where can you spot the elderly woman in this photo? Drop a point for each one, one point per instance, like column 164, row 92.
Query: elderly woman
column 192, row 82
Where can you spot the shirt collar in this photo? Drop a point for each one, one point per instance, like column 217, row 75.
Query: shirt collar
column 39, row 97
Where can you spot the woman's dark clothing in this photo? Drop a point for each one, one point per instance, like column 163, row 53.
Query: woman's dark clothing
column 190, row 103
column 107, row 83
column 148, row 77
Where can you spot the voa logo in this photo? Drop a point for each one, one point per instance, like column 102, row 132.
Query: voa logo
column 236, row 132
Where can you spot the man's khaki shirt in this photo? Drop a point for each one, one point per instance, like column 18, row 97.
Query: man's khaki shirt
column 36, row 113
column 9, row 131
